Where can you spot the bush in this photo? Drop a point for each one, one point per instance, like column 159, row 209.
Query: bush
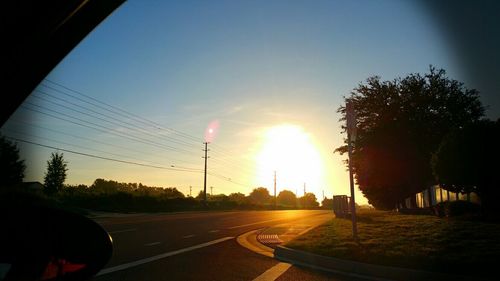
column 456, row 208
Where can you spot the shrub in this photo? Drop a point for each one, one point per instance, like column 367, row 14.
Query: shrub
column 456, row 208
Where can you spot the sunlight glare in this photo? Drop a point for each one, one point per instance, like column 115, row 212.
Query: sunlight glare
column 288, row 150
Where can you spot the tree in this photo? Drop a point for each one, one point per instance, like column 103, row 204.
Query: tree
column 286, row 198
column 238, row 197
column 260, row 196
column 327, row 203
column 465, row 162
column 11, row 166
column 400, row 123
column 308, row 201
column 56, row 173
column 201, row 196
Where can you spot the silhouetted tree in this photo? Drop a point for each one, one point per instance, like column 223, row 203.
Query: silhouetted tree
column 466, row 162
column 259, row 196
column 400, row 124
column 327, row 203
column 105, row 186
column 238, row 197
column 11, row 166
column 171, row 192
column 308, row 201
column 56, row 173
column 286, row 198
column 201, row 196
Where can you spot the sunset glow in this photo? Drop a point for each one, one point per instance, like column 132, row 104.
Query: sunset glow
column 289, row 150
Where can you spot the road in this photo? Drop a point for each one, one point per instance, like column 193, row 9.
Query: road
column 199, row 246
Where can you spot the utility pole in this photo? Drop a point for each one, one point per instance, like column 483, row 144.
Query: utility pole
column 275, row 190
column 211, row 191
column 304, row 189
column 323, row 194
column 190, row 189
column 351, row 137
column 205, row 175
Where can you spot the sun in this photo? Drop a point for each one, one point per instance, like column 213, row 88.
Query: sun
column 289, row 150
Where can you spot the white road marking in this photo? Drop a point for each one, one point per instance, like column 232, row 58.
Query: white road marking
column 254, row 223
column 274, row 272
column 188, row 236
column 152, row 244
column 160, row 256
column 123, row 230
column 214, row 231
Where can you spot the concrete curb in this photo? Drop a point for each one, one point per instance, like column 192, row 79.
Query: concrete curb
column 249, row 241
column 359, row 269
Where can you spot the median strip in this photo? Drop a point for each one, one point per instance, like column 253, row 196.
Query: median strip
column 160, row 256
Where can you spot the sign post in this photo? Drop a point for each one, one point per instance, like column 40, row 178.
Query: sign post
column 351, row 137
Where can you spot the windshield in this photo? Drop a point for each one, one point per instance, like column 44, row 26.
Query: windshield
column 180, row 126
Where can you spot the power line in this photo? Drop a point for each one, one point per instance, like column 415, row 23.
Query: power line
column 123, row 113
column 118, row 160
column 100, row 157
column 93, row 140
column 52, row 110
column 93, row 149
column 104, row 128
column 167, row 138
column 129, row 114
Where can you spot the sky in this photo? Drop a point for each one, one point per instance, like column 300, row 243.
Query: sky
column 266, row 76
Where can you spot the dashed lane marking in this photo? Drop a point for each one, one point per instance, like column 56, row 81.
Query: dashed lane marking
column 152, row 244
column 274, row 272
column 188, row 236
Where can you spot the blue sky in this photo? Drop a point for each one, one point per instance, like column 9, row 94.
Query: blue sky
column 251, row 65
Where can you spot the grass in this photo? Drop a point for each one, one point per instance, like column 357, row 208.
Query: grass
column 421, row 242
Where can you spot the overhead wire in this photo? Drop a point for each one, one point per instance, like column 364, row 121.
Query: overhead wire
column 129, row 114
column 242, row 169
column 103, row 128
column 92, row 140
column 167, row 138
column 92, row 149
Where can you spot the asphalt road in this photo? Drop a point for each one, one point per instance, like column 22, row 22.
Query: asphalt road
column 199, row 246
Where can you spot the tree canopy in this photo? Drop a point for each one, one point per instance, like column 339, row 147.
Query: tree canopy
column 308, row 201
column 400, row 123
column 465, row 161
column 259, row 196
column 287, row 198
column 11, row 166
column 56, row 173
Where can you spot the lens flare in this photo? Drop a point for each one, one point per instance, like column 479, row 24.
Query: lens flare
column 211, row 131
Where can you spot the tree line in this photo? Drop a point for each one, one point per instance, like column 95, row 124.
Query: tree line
column 110, row 195
column 419, row 131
